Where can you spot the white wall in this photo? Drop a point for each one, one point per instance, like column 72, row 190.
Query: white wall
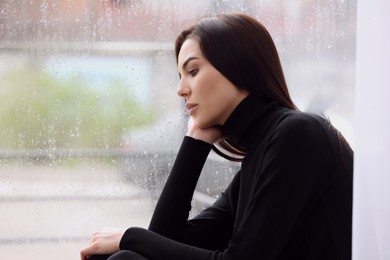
column 371, row 222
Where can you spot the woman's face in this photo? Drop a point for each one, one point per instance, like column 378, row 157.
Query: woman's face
column 210, row 97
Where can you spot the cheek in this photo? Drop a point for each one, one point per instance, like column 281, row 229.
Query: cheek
column 210, row 91
column 204, row 87
column 211, row 113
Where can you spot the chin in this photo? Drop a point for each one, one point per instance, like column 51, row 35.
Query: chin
column 206, row 121
column 202, row 124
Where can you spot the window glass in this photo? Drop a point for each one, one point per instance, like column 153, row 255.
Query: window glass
column 90, row 121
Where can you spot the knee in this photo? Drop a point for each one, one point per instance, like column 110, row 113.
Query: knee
column 126, row 255
column 98, row 257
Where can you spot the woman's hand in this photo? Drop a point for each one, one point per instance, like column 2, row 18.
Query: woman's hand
column 105, row 242
column 209, row 135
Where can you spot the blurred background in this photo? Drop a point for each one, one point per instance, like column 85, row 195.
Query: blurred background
column 89, row 118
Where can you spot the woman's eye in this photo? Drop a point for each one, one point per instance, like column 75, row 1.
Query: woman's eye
column 193, row 72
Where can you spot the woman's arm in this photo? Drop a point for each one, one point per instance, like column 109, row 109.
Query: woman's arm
column 172, row 210
column 171, row 213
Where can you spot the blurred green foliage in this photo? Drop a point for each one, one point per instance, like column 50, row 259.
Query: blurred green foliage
column 38, row 111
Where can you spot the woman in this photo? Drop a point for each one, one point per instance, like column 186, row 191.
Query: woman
column 292, row 198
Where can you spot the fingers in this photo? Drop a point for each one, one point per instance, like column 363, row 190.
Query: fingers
column 84, row 254
column 92, row 249
column 103, row 242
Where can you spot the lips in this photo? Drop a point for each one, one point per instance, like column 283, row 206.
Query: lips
column 191, row 108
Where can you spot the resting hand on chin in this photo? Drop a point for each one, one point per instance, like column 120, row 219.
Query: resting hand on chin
column 209, row 135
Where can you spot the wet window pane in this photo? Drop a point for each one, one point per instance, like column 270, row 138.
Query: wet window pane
column 90, row 121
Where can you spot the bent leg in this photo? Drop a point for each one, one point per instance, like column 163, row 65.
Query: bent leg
column 126, row 255
column 99, row 257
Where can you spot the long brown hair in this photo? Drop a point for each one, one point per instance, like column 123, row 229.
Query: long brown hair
column 242, row 50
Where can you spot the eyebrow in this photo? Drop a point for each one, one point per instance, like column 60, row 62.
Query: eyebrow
column 188, row 61
column 185, row 63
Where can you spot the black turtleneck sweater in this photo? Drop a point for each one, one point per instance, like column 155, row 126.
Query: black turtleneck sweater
column 292, row 198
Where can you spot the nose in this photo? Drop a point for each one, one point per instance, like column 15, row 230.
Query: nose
column 182, row 90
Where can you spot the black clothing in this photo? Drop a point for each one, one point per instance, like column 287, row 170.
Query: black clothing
column 292, row 198
column 121, row 255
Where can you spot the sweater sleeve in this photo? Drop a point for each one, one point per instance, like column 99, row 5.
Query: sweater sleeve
column 170, row 234
column 172, row 210
column 212, row 228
